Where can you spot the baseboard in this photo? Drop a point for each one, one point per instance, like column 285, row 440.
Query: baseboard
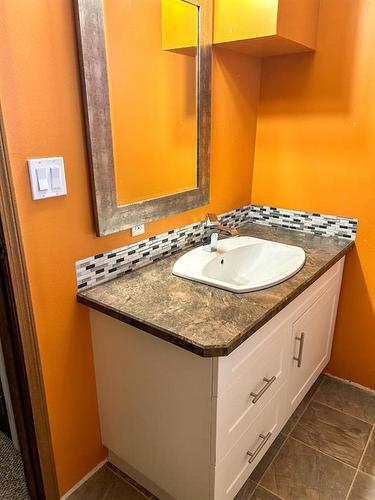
column 354, row 384
column 84, row 479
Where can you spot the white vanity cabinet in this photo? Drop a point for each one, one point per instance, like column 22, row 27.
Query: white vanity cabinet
column 194, row 428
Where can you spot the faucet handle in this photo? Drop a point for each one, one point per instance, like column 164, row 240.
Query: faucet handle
column 212, row 220
column 212, row 246
column 213, row 242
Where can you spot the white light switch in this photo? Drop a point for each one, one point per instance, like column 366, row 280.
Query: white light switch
column 47, row 177
column 41, row 174
column 55, row 178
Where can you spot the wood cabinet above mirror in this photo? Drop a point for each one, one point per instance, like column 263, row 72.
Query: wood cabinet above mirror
column 148, row 109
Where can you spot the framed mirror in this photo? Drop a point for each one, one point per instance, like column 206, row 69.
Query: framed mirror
column 146, row 75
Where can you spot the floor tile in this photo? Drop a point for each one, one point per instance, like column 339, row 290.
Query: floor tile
column 339, row 435
column 302, row 473
column 363, row 488
column 368, row 462
column 347, row 398
column 261, row 468
column 262, row 494
column 289, row 426
column 106, row 485
column 246, row 491
column 129, row 480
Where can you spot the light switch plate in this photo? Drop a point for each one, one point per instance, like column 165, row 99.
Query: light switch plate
column 47, row 177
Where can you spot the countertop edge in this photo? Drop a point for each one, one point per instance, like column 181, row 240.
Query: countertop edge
column 212, row 351
column 170, row 337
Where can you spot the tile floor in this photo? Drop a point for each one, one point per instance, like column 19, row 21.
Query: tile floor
column 326, row 451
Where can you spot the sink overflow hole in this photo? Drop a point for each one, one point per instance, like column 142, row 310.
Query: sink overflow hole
column 222, row 261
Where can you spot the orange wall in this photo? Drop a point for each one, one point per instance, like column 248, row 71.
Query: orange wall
column 40, row 95
column 315, row 151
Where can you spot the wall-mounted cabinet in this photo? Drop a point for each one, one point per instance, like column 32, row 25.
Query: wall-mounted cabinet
column 256, row 27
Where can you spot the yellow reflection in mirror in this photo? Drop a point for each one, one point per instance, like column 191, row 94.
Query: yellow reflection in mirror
column 179, row 25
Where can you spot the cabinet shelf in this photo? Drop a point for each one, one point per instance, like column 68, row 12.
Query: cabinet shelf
column 255, row 27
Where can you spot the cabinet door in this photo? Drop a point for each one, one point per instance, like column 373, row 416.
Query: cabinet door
column 312, row 341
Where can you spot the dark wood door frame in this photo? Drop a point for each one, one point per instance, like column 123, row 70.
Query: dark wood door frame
column 19, row 341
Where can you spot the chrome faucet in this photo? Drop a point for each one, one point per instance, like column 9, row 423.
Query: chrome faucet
column 213, row 222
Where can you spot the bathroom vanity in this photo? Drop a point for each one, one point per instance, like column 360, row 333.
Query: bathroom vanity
column 189, row 408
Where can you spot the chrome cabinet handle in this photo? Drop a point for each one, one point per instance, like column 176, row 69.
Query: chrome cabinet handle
column 298, row 358
column 258, row 395
column 255, row 453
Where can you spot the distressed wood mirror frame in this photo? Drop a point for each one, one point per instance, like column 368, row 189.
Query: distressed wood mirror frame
column 111, row 217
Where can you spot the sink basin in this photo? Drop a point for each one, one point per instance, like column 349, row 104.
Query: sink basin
column 241, row 264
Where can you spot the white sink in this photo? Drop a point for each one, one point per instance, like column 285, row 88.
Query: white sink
column 241, row 264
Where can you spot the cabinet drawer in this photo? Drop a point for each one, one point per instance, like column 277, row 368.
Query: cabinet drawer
column 245, row 399
column 232, row 472
column 235, row 366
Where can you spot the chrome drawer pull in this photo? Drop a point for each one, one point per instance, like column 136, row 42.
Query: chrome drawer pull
column 301, row 341
column 258, row 395
column 254, row 454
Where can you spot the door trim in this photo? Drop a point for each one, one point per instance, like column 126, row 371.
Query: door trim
column 21, row 352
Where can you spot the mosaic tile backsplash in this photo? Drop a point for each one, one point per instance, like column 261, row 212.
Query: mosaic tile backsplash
column 103, row 267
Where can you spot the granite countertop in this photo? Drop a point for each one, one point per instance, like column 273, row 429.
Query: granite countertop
column 202, row 319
